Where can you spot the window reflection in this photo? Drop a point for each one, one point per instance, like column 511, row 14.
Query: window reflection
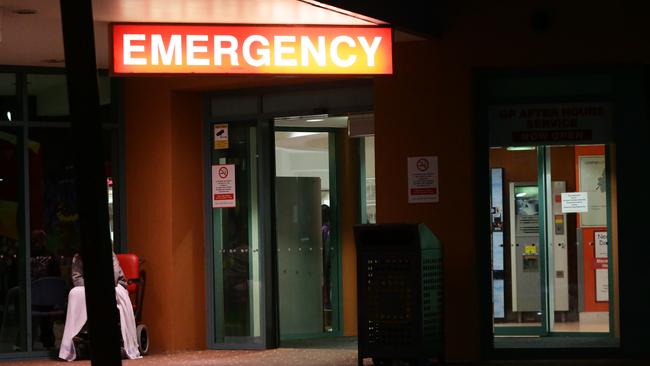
column 13, row 335
column 54, row 220
column 48, row 97
column 9, row 106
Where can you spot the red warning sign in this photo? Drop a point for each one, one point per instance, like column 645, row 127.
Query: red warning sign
column 223, row 186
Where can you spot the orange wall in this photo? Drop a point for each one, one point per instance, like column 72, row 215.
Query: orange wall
column 410, row 120
column 348, row 176
column 165, row 209
column 148, row 204
column 188, row 258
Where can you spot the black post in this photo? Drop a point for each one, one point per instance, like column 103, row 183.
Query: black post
column 83, row 96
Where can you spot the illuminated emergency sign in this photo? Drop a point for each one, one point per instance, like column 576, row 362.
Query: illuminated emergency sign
column 211, row 49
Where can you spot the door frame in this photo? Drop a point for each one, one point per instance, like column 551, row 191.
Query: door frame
column 620, row 79
column 266, row 229
column 543, row 328
column 253, row 108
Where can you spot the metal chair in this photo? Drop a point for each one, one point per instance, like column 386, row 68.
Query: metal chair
column 49, row 301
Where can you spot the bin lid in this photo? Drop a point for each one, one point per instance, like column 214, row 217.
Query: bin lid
column 395, row 236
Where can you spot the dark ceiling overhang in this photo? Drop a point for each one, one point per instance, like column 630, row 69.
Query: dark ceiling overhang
column 422, row 17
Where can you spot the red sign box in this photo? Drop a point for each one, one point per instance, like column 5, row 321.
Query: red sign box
column 220, row 49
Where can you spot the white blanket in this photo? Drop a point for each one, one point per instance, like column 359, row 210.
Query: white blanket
column 76, row 318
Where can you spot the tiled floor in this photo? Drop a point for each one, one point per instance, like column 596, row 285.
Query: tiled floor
column 295, row 357
column 281, row 356
column 325, row 352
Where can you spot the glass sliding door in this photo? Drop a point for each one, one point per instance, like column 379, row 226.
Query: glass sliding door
column 554, row 246
column 582, row 234
column 517, row 237
column 305, row 229
column 236, row 239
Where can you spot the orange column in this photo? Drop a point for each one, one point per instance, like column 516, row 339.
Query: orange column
column 147, row 111
column 348, row 183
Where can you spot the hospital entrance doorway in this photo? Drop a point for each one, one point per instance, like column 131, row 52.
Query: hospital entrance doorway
column 554, row 246
column 274, row 221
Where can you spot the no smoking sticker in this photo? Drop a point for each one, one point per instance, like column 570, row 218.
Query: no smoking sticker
column 423, row 179
column 422, row 165
column 223, row 186
column 223, row 172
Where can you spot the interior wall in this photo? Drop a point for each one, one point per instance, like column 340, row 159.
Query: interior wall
column 613, row 189
column 588, row 233
column 303, row 163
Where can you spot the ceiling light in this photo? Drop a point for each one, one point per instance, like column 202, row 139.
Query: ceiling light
column 520, row 148
column 521, row 194
column 2, row 179
column 301, row 134
column 315, row 120
column 9, row 116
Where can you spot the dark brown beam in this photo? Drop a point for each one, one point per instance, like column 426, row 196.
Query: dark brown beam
column 83, row 96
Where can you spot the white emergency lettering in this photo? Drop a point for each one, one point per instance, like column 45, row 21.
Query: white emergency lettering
column 193, row 49
column 334, row 51
column 129, row 49
column 174, row 49
column 264, row 53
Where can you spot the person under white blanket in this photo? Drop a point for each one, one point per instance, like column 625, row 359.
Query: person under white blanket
column 76, row 316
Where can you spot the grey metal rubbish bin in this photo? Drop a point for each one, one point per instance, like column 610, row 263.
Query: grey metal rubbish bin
column 399, row 289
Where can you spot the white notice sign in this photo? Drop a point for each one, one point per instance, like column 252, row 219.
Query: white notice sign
column 600, row 239
column 575, row 202
column 602, row 284
column 423, row 179
column 223, row 186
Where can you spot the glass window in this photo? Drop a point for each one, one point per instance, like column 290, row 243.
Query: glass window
column 237, row 255
column 9, row 103
column 369, row 169
column 52, row 229
column 48, row 97
column 54, row 221
column 13, row 323
column 516, row 245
